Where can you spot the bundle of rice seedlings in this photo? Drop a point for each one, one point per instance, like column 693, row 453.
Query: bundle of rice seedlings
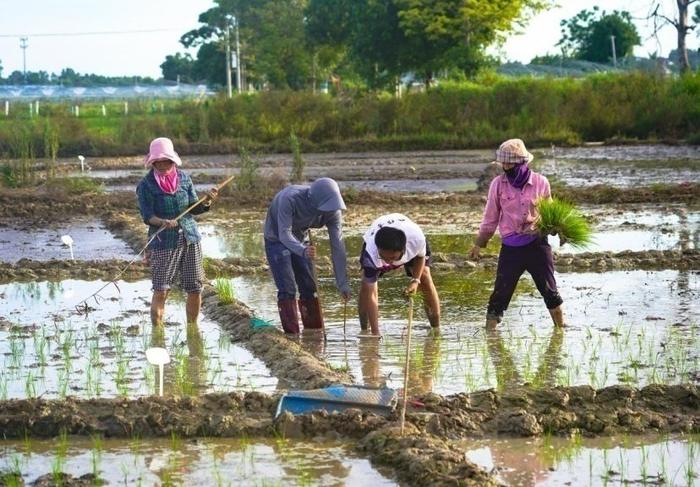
column 560, row 217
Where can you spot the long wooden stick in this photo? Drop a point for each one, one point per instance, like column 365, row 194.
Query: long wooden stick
column 318, row 289
column 121, row 272
column 406, row 367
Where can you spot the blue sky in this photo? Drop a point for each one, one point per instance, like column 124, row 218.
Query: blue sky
column 142, row 53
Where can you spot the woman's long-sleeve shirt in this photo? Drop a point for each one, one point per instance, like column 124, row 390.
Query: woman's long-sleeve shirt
column 510, row 209
column 153, row 201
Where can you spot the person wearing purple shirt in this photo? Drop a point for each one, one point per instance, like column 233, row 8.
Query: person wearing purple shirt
column 510, row 207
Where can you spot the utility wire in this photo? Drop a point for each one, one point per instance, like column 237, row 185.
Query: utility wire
column 96, row 33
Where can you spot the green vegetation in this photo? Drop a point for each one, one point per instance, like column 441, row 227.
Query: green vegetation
column 224, row 288
column 451, row 115
column 297, row 175
column 587, row 35
column 558, row 217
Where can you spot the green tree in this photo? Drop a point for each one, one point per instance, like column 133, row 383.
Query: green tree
column 176, row 66
column 587, row 35
column 210, row 65
column 388, row 38
column 271, row 33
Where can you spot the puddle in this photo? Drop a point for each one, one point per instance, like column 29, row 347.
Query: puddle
column 629, row 152
column 618, row 173
column 635, row 327
column 177, row 461
column 91, row 241
column 241, row 236
column 552, row 461
column 48, row 350
column 639, row 229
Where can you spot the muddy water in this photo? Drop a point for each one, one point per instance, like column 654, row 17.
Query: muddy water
column 633, row 327
column 47, row 349
column 91, row 241
column 619, row 166
column 552, row 461
column 627, row 228
column 194, row 462
column 639, row 228
column 240, row 234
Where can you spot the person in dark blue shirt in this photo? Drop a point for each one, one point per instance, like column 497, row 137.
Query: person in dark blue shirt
column 163, row 194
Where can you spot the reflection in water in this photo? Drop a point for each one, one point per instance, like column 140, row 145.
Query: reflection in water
column 201, row 462
column 314, row 342
column 507, row 374
column 424, row 364
column 553, row 461
column 52, row 351
column 368, row 349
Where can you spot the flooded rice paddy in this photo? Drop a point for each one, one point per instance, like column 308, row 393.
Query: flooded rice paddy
column 91, row 241
column 552, row 461
column 177, row 461
column 629, row 327
column 635, row 327
column 48, row 349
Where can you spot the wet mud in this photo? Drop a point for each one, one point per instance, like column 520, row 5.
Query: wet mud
column 517, row 412
column 286, row 359
column 422, row 456
column 56, row 270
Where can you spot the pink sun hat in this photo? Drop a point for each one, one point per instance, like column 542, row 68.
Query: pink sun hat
column 162, row 148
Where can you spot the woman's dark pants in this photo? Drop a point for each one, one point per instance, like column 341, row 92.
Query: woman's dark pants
column 289, row 272
column 536, row 258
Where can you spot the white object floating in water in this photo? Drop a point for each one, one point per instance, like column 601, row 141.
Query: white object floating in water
column 68, row 241
column 158, row 356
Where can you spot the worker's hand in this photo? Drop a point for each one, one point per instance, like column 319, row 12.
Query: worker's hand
column 212, row 194
column 346, row 295
column 170, row 223
column 412, row 287
column 475, row 252
column 310, row 251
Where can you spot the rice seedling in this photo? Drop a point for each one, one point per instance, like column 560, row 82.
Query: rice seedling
column 30, row 385
column 224, row 289
column 3, row 386
column 556, row 216
column 96, row 454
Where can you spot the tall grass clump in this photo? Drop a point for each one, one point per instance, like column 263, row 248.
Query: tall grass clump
column 224, row 288
column 560, row 217
column 297, row 175
column 249, row 175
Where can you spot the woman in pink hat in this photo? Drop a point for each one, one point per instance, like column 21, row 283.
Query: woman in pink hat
column 510, row 207
column 163, row 194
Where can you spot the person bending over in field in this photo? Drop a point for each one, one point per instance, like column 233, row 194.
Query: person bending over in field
column 393, row 241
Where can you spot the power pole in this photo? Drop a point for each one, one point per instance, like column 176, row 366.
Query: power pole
column 228, row 57
column 238, row 60
column 23, row 44
column 614, row 54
